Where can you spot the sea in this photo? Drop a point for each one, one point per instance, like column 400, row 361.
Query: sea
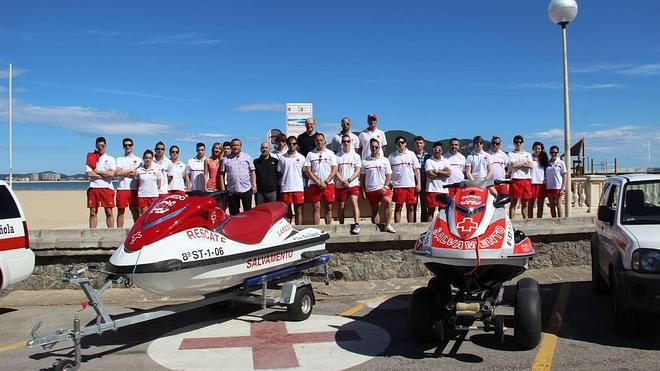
column 50, row 186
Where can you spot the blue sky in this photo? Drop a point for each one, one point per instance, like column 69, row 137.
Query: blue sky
column 207, row 71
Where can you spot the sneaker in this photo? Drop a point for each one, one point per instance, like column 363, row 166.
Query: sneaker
column 355, row 229
column 389, row 228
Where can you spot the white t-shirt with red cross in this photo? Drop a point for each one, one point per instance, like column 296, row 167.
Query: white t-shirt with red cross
column 347, row 162
column 456, row 165
column 148, row 180
column 520, row 157
column 366, row 136
column 105, row 163
column 177, row 171
column 538, row 173
column 499, row 160
column 403, row 165
column 321, row 163
column 291, row 166
column 478, row 163
column 375, row 171
column 130, row 162
column 164, row 166
column 554, row 174
column 436, row 184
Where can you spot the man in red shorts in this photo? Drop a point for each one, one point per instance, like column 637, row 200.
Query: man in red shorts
column 290, row 167
column 405, row 179
column 126, row 186
column 99, row 169
column 520, row 166
column 347, row 181
column 321, row 168
column 499, row 161
column 376, row 174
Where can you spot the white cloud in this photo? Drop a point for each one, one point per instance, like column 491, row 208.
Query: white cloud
column 260, row 107
column 575, row 86
column 623, row 69
column 4, row 73
column 190, row 38
column 82, row 119
column 23, row 35
column 538, row 85
column 601, row 67
column 587, row 87
column 203, row 137
column 641, row 70
column 99, row 33
column 14, row 90
column 131, row 93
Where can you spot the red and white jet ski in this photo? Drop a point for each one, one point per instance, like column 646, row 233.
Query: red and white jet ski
column 185, row 246
column 472, row 246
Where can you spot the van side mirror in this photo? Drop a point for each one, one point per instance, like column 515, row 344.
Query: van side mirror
column 444, row 200
column 605, row 214
column 501, row 200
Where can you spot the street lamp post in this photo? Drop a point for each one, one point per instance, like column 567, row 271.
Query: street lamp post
column 563, row 12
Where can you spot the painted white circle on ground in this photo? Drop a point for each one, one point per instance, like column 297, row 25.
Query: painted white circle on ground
column 321, row 343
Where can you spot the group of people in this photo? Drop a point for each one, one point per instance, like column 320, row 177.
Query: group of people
column 308, row 169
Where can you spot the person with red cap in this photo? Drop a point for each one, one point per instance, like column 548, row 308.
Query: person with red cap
column 371, row 132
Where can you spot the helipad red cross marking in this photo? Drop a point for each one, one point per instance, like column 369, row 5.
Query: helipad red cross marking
column 467, row 225
column 272, row 345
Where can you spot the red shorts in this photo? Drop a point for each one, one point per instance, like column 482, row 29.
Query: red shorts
column 554, row 192
column 405, row 195
column 316, row 193
column 374, row 197
column 180, row 193
column 296, row 198
column 146, row 201
column 502, row 189
column 431, row 200
column 100, row 196
column 126, row 198
column 538, row 190
column 342, row 193
column 521, row 189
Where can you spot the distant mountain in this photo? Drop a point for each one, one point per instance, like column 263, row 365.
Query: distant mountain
column 466, row 144
column 62, row 176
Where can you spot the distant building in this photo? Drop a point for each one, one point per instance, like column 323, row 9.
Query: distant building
column 33, row 176
column 52, row 177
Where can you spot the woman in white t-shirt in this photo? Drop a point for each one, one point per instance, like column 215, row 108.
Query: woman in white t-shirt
column 555, row 180
column 539, row 164
column 148, row 178
column 176, row 173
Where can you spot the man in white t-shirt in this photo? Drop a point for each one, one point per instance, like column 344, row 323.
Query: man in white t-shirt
column 405, row 179
column 280, row 146
column 478, row 163
column 99, row 169
column 499, row 162
column 126, row 187
column 336, row 144
column 456, row 163
column 437, row 172
column 375, row 177
column 175, row 175
column 347, row 181
column 520, row 167
column 164, row 165
column 321, row 168
column 195, row 170
column 371, row 132
column 292, row 188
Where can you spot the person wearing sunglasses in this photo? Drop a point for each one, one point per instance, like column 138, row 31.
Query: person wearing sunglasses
column 336, row 145
column 555, row 180
column 499, row 161
column 347, row 181
column 520, row 166
column 456, row 162
column 290, row 167
column 371, row 132
column 99, row 169
column 126, row 186
column 405, row 179
column 437, row 172
column 164, row 165
column 321, row 168
column 478, row 164
column 175, row 183
column 375, row 176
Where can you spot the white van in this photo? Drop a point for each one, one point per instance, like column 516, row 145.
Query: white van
column 16, row 258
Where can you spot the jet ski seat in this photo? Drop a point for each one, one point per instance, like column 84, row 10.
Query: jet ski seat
column 250, row 227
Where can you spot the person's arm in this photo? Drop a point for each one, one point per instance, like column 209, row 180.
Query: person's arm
column 221, row 186
column 253, row 179
column 206, row 174
column 333, row 172
column 468, row 170
column 158, row 179
column 418, row 182
column 444, row 172
column 362, row 176
column 489, row 171
column 431, row 174
column 388, row 180
column 355, row 175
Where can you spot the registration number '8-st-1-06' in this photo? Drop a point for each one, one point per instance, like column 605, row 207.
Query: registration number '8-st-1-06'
column 202, row 254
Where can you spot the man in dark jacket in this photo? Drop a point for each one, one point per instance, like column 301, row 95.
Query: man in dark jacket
column 266, row 171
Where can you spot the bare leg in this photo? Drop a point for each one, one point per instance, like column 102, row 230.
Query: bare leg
column 93, row 217
column 340, row 211
column 430, row 213
column 120, row 217
column 397, row 213
column 410, row 210
column 512, row 208
column 559, row 206
column 299, row 214
column 388, row 209
column 530, row 208
column 289, row 214
column 553, row 206
column 356, row 209
column 375, row 219
column 109, row 218
column 135, row 211
column 539, row 207
column 523, row 208
column 316, row 217
column 327, row 212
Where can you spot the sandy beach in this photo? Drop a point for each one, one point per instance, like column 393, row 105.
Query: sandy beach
column 59, row 209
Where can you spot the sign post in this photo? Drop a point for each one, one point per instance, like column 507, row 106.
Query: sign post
column 296, row 114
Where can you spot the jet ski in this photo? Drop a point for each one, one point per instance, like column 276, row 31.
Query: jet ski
column 186, row 245
column 472, row 248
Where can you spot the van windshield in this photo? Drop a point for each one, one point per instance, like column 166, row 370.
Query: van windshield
column 641, row 203
column 8, row 209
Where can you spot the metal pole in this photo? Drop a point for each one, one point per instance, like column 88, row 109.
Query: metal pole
column 11, row 156
column 567, row 129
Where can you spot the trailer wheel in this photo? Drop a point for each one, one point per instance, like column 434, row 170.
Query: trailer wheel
column 527, row 317
column 65, row 364
column 422, row 314
column 302, row 305
column 499, row 329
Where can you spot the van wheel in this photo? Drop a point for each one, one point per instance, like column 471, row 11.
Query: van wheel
column 624, row 320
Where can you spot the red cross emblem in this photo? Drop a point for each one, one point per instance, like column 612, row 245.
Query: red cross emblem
column 467, row 225
column 272, row 345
